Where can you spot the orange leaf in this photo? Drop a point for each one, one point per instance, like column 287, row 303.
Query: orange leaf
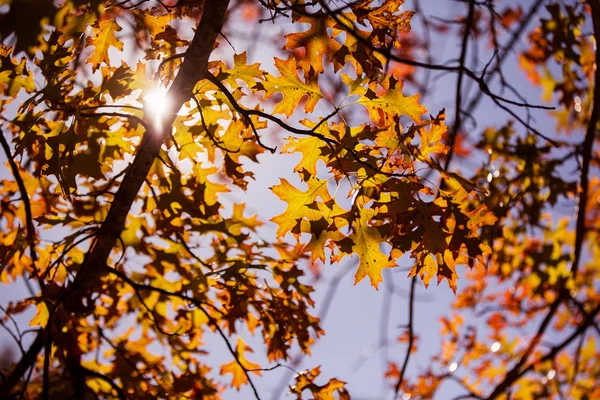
column 317, row 42
column 236, row 367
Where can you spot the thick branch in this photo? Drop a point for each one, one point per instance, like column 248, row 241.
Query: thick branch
column 588, row 144
column 580, row 230
column 192, row 70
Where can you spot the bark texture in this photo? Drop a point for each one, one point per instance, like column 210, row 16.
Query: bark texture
column 94, row 266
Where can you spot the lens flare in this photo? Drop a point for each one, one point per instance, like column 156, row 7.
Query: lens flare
column 157, row 103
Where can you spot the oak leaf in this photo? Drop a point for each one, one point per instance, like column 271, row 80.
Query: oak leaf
column 300, row 204
column 309, row 147
column 237, row 367
column 104, row 38
column 367, row 241
column 291, row 87
column 316, row 41
column 41, row 316
column 390, row 102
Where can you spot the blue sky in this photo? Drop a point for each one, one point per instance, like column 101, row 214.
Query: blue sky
column 351, row 349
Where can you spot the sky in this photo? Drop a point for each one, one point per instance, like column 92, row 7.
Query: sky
column 352, row 348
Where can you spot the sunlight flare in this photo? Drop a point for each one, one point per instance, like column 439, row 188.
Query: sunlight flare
column 157, row 103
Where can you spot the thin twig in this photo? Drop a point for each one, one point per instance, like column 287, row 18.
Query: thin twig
column 26, row 203
column 231, row 350
column 411, row 334
column 458, row 96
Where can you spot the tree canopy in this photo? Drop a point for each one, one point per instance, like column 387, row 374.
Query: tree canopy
column 126, row 124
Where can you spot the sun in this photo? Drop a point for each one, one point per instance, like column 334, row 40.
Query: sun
column 157, row 101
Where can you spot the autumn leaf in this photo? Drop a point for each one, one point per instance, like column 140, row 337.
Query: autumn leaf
column 428, row 270
column 300, row 204
column 103, row 38
column 249, row 74
column 41, row 316
column 387, row 19
column 316, row 41
column 130, row 234
column 431, row 139
column 291, row 87
column 14, row 74
column 332, row 390
column 391, row 102
column 237, row 367
column 367, row 241
column 119, row 217
column 121, row 81
column 309, row 148
column 156, row 24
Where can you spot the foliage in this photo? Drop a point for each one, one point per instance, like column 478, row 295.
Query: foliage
column 115, row 210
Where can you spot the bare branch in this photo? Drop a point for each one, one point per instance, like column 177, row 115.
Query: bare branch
column 411, row 334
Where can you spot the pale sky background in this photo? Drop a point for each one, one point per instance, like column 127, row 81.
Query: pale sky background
column 350, row 350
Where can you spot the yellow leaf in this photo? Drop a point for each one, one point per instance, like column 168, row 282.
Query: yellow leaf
column 299, row 204
column 104, row 37
column 429, row 269
column 292, row 88
column 130, row 233
column 21, row 80
column 479, row 217
column 9, row 239
column 548, row 83
column 41, row 316
column 332, row 387
column 431, row 140
column 391, row 102
column 238, row 221
column 249, row 74
column 5, row 77
column 366, row 245
column 156, row 24
column 310, row 149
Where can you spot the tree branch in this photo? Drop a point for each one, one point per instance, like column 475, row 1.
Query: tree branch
column 106, row 379
column 483, row 86
column 458, row 97
column 588, row 144
column 500, row 389
column 503, row 56
column 580, row 230
column 411, row 334
column 24, row 198
column 94, row 265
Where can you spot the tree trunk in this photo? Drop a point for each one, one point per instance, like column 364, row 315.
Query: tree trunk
column 94, row 266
